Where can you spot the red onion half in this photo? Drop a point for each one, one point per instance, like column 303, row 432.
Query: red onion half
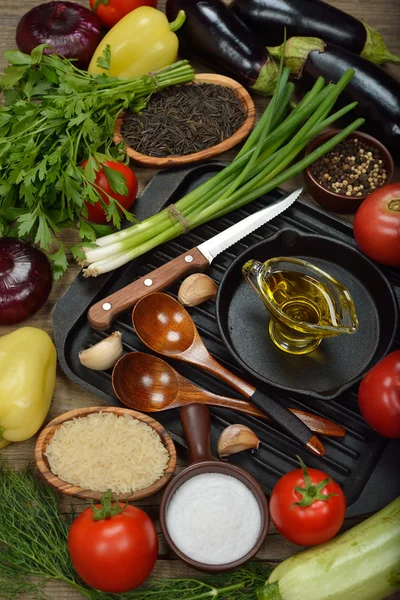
column 25, row 280
column 70, row 29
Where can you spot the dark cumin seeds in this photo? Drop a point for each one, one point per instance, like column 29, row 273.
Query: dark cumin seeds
column 184, row 119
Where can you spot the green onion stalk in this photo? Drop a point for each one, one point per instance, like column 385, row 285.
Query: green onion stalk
column 266, row 160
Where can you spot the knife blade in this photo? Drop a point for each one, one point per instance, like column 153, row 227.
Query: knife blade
column 101, row 314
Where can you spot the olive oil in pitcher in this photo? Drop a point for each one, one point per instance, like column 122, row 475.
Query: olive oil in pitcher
column 306, row 304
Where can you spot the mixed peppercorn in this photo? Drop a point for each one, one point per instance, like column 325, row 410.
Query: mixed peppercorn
column 352, row 168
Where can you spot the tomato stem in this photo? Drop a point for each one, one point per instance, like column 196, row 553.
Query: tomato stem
column 97, row 4
column 108, row 509
column 310, row 492
column 395, row 204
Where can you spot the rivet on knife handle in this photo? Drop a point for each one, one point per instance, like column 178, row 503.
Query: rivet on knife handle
column 101, row 314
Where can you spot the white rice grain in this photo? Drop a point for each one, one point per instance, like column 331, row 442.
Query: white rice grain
column 104, row 450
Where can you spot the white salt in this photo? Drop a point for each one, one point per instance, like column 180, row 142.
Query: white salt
column 214, row 519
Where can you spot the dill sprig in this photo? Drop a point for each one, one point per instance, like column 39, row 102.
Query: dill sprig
column 33, row 550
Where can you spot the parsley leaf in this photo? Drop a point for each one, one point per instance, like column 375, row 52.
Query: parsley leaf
column 12, row 75
column 116, row 180
column 104, row 62
column 60, row 262
column 15, row 57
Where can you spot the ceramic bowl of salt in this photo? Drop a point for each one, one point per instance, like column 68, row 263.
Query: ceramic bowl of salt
column 214, row 516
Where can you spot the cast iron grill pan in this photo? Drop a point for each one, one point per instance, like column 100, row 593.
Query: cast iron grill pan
column 364, row 463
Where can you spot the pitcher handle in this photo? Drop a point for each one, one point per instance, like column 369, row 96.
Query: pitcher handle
column 251, row 271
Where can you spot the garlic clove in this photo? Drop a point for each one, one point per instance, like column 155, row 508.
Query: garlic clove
column 236, row 438
column 104, row 355
column 197, row 288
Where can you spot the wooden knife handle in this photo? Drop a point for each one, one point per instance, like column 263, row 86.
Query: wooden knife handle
column 101, row 314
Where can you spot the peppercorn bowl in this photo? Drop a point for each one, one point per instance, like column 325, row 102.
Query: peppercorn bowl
column 344, row 177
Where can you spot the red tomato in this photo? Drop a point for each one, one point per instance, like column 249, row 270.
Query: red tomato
column 377, row 225
column 322, row 516
column 115, row 554
column 112, row 11
column 96, row 212
column 379, row 396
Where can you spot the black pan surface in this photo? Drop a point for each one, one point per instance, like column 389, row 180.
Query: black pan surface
column 338, row 362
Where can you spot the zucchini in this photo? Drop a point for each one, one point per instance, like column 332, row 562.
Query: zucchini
column 360, row 564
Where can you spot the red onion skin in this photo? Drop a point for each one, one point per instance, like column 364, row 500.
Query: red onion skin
column 69, row 28
column 25, row 280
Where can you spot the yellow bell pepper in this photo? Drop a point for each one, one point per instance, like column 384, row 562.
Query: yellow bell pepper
column 28, row 361
column 141, row 42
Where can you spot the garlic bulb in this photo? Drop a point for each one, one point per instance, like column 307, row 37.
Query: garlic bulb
column 196, row 288
column 103, row 355
column 236, row 438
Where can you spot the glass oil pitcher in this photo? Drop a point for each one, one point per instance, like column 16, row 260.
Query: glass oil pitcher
column 306, row 304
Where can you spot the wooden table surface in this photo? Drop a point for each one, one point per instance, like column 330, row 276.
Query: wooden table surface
column 384, row 16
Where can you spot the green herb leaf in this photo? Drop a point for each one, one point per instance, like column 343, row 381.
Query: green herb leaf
column 86, row 231
column 104, row 62
column 116, row 180
column 26, row 223
column 43, row 235
column 15, row 57
column 112, row 213
column 60, row 262
column 101, row 230
column 12, row 75
column 49, row 74
column 90, row 169
column 37, row 53
column 73, row 189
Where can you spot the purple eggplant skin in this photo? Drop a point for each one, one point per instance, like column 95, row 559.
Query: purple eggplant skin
column 267, row 19
column 377, row 93
column 216, row 38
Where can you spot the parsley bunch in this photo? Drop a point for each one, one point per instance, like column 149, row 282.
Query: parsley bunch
column 56, row 115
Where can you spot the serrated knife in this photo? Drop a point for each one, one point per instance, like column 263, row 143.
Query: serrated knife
column 101, row 314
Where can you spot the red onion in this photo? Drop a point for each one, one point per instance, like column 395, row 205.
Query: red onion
column 70, row 29
column 25, row 280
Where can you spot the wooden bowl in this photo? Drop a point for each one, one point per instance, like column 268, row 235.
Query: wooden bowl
column 47, row 433
column 340, row 203
column 174, row 161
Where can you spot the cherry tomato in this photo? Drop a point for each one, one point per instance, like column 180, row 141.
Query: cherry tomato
column 116, row 553
column 377, row 225
column 307, row 507
column 96, row 212
column 379, row 396
column 112, row 11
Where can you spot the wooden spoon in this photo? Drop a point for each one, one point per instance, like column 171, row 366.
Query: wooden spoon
column 149, row 384
column 167, row 328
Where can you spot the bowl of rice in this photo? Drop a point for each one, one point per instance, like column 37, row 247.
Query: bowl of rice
column 87, row 451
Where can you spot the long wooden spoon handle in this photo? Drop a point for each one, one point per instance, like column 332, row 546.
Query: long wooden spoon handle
column 319, row 424
column 288, row 421
column 101, row 314
column 315, row 423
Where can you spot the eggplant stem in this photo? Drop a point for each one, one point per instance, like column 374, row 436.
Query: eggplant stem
column 375, row 49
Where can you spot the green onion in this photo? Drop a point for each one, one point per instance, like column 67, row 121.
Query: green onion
column 264, row 162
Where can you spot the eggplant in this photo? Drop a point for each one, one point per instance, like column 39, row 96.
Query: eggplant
column 377, row 93
column 268, row 19
column 219, row 40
